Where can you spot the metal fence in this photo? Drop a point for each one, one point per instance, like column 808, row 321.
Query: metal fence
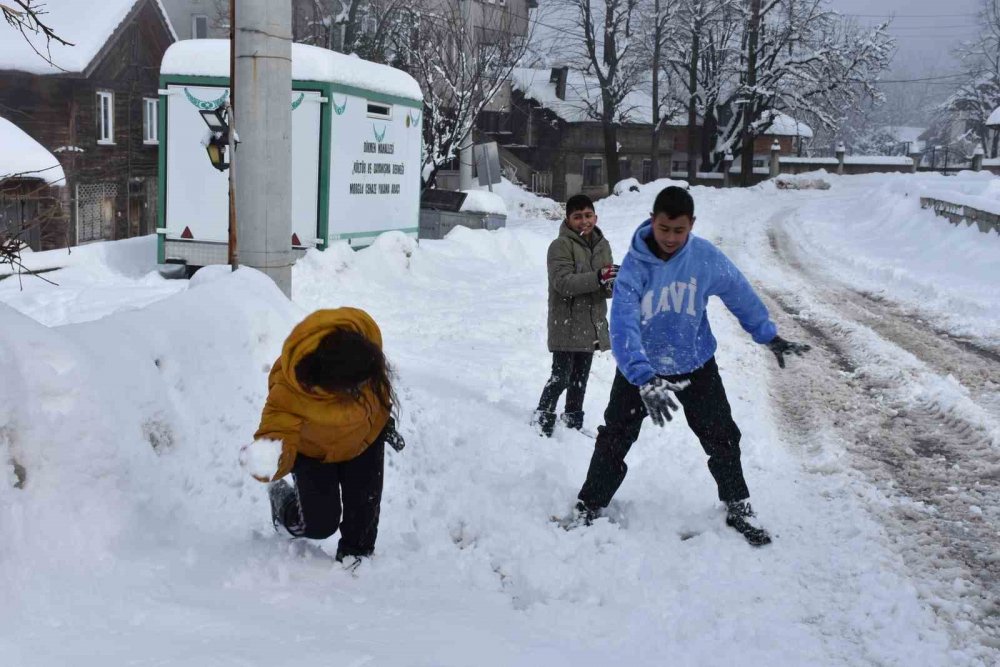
column 95, row 211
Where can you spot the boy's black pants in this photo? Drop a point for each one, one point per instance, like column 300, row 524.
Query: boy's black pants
column 570, row 372
column 347, row 495
column 708, row 414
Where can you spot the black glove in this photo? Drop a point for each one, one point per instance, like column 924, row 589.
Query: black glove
column 392, row 436
column 779, row 346
column 656, row 397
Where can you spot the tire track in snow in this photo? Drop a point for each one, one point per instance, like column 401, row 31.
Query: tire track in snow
column 939, row 469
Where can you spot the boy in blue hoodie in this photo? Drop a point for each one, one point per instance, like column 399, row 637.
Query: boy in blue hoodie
column 663, row 345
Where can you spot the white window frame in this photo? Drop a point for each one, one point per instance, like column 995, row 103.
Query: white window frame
column 150, row 121
column 105, row 132
column 374, row 114
column 194, row 26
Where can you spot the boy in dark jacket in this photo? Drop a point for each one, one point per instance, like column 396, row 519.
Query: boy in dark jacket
column 663, row 344
column 581, row 276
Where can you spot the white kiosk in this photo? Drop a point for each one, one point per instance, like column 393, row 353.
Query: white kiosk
column 356, row 151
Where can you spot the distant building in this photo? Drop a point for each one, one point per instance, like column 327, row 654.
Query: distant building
column 792, row 135
column 196, row 19
column 554, row 144
column 96, row 109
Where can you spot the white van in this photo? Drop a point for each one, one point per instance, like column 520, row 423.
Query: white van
column 356, row 151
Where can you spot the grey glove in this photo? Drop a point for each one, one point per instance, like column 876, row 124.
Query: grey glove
column 780, row 347
column 656, row 397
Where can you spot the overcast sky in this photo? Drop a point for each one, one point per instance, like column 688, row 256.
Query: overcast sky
column 926, row 30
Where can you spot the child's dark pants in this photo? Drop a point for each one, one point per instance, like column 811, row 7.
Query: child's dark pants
column 570, row 372
column 708, row 414
column 321, row 487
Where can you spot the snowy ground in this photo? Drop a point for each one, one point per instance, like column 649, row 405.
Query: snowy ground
column 129, row 534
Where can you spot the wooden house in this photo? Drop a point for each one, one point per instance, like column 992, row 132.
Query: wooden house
column 93, row 104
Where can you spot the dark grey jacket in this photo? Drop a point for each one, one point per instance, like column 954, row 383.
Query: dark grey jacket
column 578, row 309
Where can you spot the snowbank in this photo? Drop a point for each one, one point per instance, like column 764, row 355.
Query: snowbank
column 141, row 535
column 23, row 156
column 523, row 204
column 483, row 201
column 210, row 57
column 626, row 185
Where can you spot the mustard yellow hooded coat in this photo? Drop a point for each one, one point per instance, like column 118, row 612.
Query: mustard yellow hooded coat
column 320, row 425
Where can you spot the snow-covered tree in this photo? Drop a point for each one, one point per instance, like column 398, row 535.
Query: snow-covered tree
column 600, row 37
column 811, row 64
column 460, row 65
column 658, row 25
column 979, row 93
column 703, row 58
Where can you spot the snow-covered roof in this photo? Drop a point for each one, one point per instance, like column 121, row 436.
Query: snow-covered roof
column 994, row 118
column 583, row 96
column 210, row 57
column 86, row 25
column 783, row 125
column 23, row 156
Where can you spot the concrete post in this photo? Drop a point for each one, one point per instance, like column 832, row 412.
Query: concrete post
column 916, row 157
column 977, row 159
column 727, row 164
column 775, row 159
column 841, row 152
column 263, row 93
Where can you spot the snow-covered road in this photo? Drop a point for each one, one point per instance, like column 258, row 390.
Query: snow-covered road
column 138, row 540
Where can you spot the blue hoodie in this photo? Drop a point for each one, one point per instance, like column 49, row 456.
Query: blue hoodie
column 659, row 323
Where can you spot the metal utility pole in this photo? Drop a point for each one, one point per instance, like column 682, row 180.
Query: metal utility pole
column 262, row 92
column 746, row 158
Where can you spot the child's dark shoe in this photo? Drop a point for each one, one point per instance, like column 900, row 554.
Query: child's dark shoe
column 544, row 421
column 573, row 420
column 280, row 494
column 741, row 517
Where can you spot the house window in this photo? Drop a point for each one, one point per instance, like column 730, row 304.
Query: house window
column 105, row 118
column 593, row 171
column 647, row 170
column 678, row 166
column 382, row 111
column 624, row 168
column 199, row 26
column 150, row 120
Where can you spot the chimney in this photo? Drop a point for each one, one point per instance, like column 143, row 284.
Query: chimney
column 558, row 77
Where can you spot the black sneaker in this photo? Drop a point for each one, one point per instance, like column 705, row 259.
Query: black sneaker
column 741, row 517
column 573, row 420
column 281, row 493
column 580, row 516
column 545, row 421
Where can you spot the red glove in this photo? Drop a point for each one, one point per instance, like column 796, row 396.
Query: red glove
column 607, row 275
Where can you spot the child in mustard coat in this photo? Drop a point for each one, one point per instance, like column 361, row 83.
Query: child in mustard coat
column 326, row 421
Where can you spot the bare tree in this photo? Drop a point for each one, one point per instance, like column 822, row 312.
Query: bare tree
column 26, row 16
column 600, row 37
column 659, row 19
column 460, row 65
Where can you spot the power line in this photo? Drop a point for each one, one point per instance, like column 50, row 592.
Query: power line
column 909, row 16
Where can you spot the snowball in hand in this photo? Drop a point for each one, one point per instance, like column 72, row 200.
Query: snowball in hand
column 260, row 458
